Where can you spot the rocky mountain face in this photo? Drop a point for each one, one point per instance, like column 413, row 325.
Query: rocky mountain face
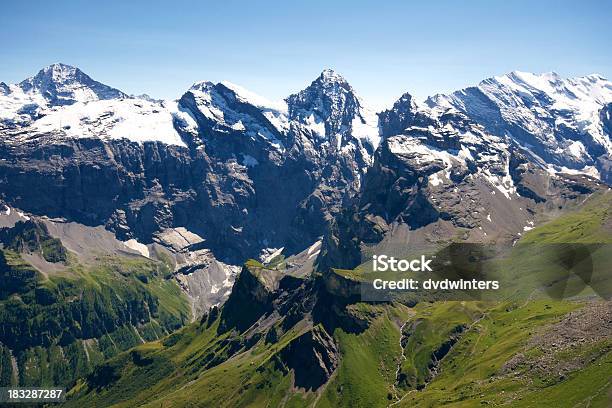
column 114, row 207
column 248, row 176
column 242, row 173
column 439, row 175
column 560, row 120
column 288, row 171
column 331, row 107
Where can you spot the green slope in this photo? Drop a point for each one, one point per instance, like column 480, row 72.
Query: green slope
column 174, row 373
column 54, row 329
column 525, row 351
column 473, row 373
column 590, row 223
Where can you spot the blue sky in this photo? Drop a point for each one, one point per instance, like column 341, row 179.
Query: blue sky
column 274, row 48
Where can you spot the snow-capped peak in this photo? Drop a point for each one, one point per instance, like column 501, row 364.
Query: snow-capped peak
column 558, row 119
column 58, row 72
column 328, row 75
column 230, row 108
column 330, row 105
column 62, row 100
column 62, row 84
column 240, row 93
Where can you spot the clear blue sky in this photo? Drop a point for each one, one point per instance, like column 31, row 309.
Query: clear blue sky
column 274, row 48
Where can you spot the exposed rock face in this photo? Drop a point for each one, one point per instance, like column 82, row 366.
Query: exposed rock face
column 137, row 190
column 403, row 114
column 313, row 357
column 4, row 89
column 266, row 304
column 251, row 298
column 331, row 102
column 206, row 280
column 247, row 175
column 93, row 182
column 444, row 177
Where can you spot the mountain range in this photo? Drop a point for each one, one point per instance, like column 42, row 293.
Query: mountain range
column 153, row 207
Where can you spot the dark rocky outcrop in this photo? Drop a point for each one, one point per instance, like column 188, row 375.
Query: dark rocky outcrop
column 32, row 236
column 441, row 177
column 251, row 298
column 313, row 357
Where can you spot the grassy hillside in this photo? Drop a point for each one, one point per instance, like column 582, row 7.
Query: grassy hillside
column 531, row 350
column 176, row 372
column 56, row 328
column 480, row 370
column 180, row 370
column 589, row 223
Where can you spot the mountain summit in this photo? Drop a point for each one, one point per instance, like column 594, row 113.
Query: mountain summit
column 62, row 84
column 330, row 101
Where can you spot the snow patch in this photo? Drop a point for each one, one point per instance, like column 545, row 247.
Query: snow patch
column 271, row 253
column 314, row 248
column 587, row 170
column 238, row 126
column 316, row 125
column 137, row 246
column 577, row 149
column 246, row 96
column 134, row 119
column 435, row 180
column 22, row 215
column 365, row 128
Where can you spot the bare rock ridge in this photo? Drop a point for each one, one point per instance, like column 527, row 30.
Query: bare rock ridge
column 269, row 303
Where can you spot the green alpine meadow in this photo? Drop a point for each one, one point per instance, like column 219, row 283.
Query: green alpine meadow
column 452, row 353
